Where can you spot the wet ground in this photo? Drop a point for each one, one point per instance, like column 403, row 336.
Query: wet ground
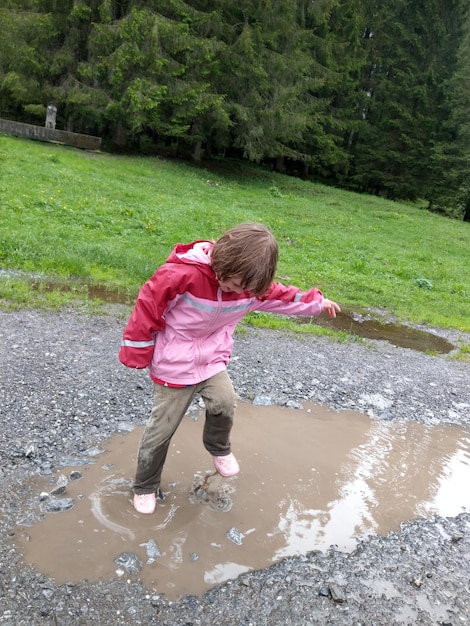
column 363, row 323
column 341, row 477
column 361, row 444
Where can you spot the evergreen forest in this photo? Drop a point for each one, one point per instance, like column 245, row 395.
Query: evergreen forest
column 367, row 95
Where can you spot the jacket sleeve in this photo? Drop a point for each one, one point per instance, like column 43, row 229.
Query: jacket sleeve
column 291, row 300
column 147, row 318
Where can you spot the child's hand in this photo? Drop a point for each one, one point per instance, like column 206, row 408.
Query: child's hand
column 331, row 307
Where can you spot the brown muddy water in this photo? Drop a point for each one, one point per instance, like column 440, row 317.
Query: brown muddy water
column 309, row 479
column 362, row 324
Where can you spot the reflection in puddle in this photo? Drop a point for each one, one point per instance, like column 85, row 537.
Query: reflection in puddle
column 223, row 572
column 308, row 479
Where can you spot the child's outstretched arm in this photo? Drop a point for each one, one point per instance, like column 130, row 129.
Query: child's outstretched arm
column 291, row 300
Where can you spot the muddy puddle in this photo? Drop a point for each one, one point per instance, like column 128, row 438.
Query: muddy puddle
column 363, row 324
column 309, row 479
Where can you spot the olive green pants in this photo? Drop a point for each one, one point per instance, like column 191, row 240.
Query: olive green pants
column 169, row 407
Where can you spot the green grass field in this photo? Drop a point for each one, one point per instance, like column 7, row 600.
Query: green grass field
column 111, row 220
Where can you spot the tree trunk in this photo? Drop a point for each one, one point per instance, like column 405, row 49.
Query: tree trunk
column 119, row 135
column 466, row 215
column 280, row 166
column 197, row 152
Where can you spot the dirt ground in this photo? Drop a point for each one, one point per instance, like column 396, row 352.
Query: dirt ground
column 63, row 393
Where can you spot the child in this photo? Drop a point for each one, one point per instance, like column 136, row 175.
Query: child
column 182, row 329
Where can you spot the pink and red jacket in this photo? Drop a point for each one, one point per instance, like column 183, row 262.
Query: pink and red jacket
column 182, row 324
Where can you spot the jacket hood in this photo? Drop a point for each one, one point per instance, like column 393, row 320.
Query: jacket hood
column 195, row 253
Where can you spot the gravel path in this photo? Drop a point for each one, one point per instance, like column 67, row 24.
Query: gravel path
column 63, row 391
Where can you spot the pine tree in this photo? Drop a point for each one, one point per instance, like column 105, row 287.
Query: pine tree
column 25, row 60
column 449, row 189
column 411, row 49
column 262, row 74
column 146, row 74
column 335, row 45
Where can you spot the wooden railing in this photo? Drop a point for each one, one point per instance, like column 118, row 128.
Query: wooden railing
column 41, row 133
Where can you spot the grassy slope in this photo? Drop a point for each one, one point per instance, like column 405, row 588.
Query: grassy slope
column 113, row 219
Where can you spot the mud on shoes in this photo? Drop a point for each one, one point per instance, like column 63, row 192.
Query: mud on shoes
column 227, row 466
column 145, row 503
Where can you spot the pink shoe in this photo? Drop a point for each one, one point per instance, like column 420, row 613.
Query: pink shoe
column 145, row 503
column 226, row 465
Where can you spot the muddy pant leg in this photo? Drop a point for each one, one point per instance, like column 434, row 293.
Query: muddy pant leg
column 219, row 399
column 169, row 406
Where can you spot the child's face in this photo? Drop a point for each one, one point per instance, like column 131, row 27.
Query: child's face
column 233, row 284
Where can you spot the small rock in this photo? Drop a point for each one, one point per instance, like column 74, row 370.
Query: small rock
column 262, row 401
column 68, row 461
column 152, row 550
column 292, row 404
column 47, row 592
column 27, row 521
column 337, row 592
column 45, row 469
column 130, row 562
column 93, row 451
column 60, row 505
column 376, row 400
column 125, row 427
column 61, row 488
column 30, row 451
column 235, row 535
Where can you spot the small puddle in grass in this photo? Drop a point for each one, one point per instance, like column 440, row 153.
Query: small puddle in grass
column 309, row 478
column 363, row 324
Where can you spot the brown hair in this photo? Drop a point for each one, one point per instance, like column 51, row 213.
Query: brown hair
column 248, row 252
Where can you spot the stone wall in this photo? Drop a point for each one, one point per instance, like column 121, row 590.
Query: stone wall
column 30, row 131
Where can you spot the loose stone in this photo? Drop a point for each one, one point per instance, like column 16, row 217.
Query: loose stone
column 235, row 535
column 262, row 400
column 59, row 505
column 152, row 550
column 61, row 488
column 337, row 592
column 130, row 562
